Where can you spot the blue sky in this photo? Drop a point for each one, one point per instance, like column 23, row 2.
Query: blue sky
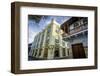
column 35, row 27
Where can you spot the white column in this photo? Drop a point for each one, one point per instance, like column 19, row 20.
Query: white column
column 39, row 37
column 66, row 51
column 40, row 44
column 44, row 39
column 70, row 53
column 60, row 48
column 42, row 53
column 60, row 51
column 35, row 43
column 53, row 51
column 49, row 53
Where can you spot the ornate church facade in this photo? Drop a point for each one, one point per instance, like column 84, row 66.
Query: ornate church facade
column 49, row 44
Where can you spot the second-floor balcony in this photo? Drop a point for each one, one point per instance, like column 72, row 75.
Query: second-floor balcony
column 78, row 29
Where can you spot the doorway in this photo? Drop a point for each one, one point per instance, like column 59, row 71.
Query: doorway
column 78, row 51
column 56, row 53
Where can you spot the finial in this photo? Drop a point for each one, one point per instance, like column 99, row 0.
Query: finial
column 54, row 21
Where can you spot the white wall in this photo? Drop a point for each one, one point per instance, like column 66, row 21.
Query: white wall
column 5, row 42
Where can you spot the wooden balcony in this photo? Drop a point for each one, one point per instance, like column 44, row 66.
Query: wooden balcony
column 78, row 29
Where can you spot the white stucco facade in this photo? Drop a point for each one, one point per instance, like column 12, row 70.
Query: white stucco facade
column 48, row 44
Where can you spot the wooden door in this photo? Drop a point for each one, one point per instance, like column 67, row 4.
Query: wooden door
column 78, row 51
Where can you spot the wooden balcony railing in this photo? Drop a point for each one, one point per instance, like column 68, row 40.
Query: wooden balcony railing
column 78, row 29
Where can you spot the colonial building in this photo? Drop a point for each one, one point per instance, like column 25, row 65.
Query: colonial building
column 49, row 43
column 76, row 34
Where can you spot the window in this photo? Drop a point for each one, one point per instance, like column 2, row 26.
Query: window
column 63, row 43
column 76, row 24
column 37, row 45
column 71, row 27
column 41, row 45
column 85, row 21
column 56, row 40
column 47, row 40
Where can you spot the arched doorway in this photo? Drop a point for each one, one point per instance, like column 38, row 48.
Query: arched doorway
column 56, row 53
